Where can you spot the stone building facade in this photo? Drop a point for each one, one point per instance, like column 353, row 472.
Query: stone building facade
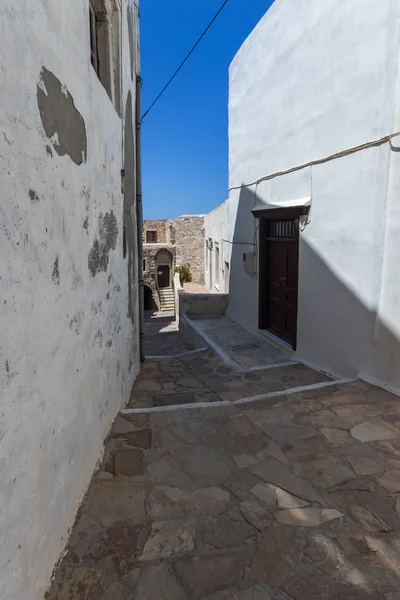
column 69, row 265
column 187, row 233
column 167, row 244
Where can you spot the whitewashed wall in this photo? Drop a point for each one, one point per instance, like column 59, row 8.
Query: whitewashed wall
column 68, row 350
column 315, row 78
column 216, row 228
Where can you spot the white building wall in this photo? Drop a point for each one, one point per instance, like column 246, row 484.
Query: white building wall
column 68, row 351
column 386, row 352
column 218, row 253
column 313, row 79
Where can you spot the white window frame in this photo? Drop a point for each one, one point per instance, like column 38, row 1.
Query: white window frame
column 217, row 264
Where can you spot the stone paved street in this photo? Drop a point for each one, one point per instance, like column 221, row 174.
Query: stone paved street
column 162, row 336
column 209, row 380
column 243, row 347
column 294, row 497
column 201, row 372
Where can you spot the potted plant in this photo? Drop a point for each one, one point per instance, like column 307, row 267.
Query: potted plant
column 184, row 273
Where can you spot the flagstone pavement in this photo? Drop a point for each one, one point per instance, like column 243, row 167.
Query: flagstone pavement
column 294, row 497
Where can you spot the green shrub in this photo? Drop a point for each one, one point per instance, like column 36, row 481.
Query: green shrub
column 184, row 273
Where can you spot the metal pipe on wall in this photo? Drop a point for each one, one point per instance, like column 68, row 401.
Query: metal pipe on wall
column 139, row 214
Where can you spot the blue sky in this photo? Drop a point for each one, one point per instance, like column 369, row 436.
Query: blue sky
column 185, row 136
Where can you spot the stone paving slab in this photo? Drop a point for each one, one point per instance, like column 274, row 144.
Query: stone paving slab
column 209, row 380
column 162, row 337
column 203, row 504
column 243, row 347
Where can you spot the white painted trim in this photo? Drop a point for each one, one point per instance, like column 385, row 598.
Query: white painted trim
column 318, row 368
column 223, row 355
column 378, row 383
column 288, row 363
column 177, row 355
column 295, row 390
column 173, row 407
column 283, row 204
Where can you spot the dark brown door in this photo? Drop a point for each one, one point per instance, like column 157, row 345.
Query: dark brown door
column 279, row 278
column 163, row 276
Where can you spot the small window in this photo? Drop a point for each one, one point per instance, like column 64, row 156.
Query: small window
column 217, row 265
column 105, row 50
column 144, row 265
column 282, row 229
column 151, row 237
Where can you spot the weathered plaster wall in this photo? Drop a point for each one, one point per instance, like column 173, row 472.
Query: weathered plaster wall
column 188, row 233
column 216, row 229
column 203, row 304
column 315, row 78
column 69, row 319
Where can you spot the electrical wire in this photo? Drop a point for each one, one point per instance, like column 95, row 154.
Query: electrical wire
column 239, row 243
column 186, row 58
column 320, row 161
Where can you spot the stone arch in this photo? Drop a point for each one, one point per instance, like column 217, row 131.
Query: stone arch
column 164, row 262
column 149, row 302
column 164, row 255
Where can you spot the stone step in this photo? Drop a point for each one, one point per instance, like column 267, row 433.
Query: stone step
column 167, row 300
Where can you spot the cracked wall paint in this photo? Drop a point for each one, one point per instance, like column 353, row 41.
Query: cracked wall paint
column 61, row 382
column 103, row 244
column 61, row 120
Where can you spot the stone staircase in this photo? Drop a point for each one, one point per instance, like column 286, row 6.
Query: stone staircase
column 167, row 299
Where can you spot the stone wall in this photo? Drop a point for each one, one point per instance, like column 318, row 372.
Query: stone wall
column 69, row 317
column 184, row 237
column 149, row 274
column 162, row 228
column 188, row 237
column 203, row 304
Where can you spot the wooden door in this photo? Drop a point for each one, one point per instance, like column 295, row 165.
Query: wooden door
column 163, row 276
column 279, row 277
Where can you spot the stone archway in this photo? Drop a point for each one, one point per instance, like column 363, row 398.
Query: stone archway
column 163, row 262
column 149, row 302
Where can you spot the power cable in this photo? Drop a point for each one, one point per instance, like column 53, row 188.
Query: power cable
column 186, row 58
column 320, row 161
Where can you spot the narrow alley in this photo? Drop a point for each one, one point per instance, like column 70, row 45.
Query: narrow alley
column 200, row 300
column 230, row 497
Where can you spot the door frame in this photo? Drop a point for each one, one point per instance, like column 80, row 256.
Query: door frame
column 163, row 263
column 265, row 215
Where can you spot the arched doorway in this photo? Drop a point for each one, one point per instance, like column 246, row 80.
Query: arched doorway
column 163, row 276
column 163, row 264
